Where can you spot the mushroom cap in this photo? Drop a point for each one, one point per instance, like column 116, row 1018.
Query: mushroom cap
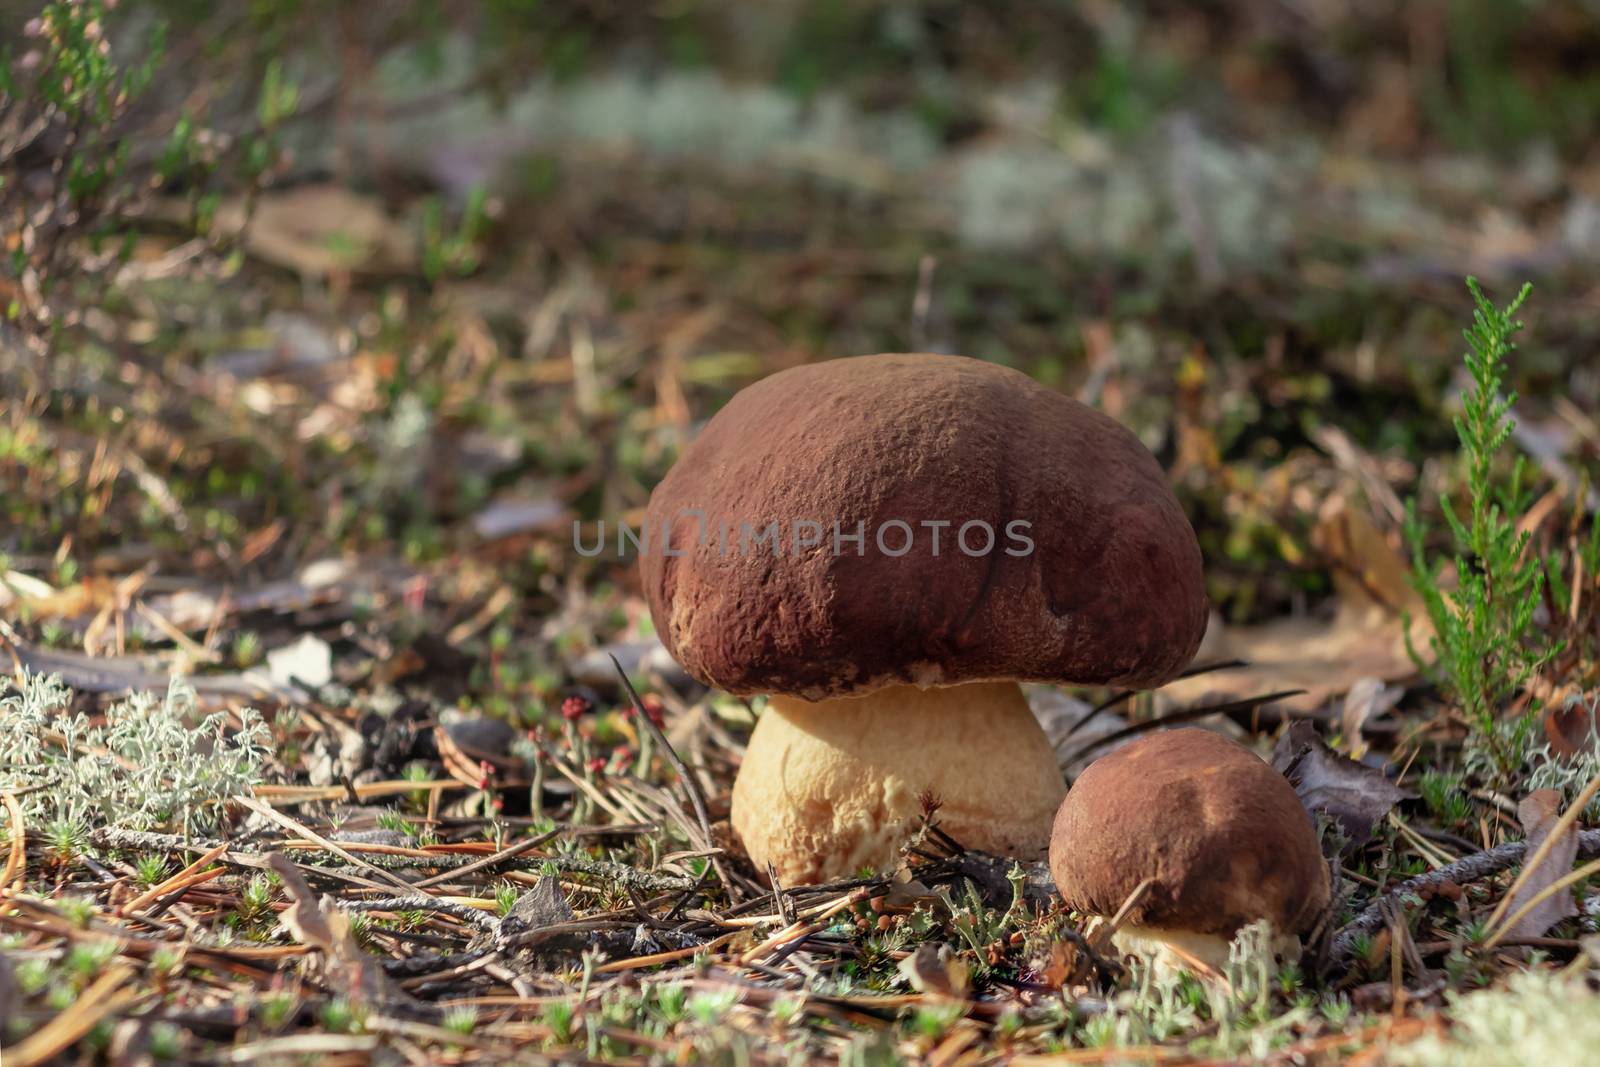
column 1222, row 834
column 1110, row 592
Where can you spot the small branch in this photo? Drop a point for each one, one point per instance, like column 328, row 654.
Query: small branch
column 525, row 845
column 422, row 902
column 1186, row 715
column 1118, row 697
column 690, row 786
column 1469, row 869
column 621, row 874
column 267, row 811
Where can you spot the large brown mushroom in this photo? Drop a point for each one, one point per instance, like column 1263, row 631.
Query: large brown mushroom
column 887, row 545
column 1221, row 837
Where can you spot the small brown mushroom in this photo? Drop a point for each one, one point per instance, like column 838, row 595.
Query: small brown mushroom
column 1220, row 835
column 930, row 530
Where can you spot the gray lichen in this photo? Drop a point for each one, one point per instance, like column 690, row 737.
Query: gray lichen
column 149, row 765
column 1539, row 1018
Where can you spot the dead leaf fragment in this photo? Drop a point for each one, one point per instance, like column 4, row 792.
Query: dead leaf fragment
column 1367, row 700
column 10, row 1001
column 1571, row 725
column 1539, row 813
column 1365, row 638
column 1353, row 794
column 936, row 971
column 1061, row 965
column 320, row 229
column 1073, row 725
column 512, row 515
column 906, row 891
column 318, row 924
column 304, row 918
column 466, row 744
column 543, row 905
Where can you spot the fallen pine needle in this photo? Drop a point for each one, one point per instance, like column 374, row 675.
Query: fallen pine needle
column 664, row 957
column 1109, row 928
column 108, row 993
column 302, row 794
column 798, row 930
column 190, row 875
column 1125, row 1054
column 17, row 861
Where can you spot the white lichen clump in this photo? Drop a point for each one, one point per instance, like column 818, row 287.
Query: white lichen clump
column 1569, row 772
column 150, row 765
column 1539, row 1019
column 1158, row 1006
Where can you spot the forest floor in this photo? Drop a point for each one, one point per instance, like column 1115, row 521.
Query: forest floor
column 400, row 804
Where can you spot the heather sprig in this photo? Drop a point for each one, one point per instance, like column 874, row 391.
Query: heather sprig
column 1481, row 646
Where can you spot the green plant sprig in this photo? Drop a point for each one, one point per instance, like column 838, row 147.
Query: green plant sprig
column 1482, row 652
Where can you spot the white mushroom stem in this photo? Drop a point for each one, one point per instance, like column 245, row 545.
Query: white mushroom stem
column 1170, row 950
column 831, row 787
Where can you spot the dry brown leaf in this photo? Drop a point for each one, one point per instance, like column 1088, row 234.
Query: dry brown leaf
column 10, row 1000
column 1353, row 794
column 906, row 891
column 936, row 971
column 1368, row 699
column 1364, row 639
column 1061, row 966
column 543, row 905
column 304, row 918
column 1539, row 813
column 78, row 601
column 316, row 923
column 1571, row 724
column 15, row 585
column 319, row 230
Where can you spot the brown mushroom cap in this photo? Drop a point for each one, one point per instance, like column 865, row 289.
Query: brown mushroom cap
column 1222, row 833
column 1111, row 592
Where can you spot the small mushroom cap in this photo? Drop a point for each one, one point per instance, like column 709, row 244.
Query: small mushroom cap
column 1222, row 834
column 1108, row 590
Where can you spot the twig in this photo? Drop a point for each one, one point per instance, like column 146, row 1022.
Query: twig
column 161, row 889
column 622, row 874
column 148, row 841
column 1109, row 928
column 1118, row 697
column 1471, row 868
column 656, row 959
column 1556, row 834
column 796, row 931
column 17, row 858
column 422, row 902
column 690, row 786
column 489, row 861
column 269, row 812
column 1564, row 882
column 1186, row 715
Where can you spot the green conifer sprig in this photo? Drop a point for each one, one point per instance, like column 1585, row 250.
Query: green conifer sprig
column 1481, row 646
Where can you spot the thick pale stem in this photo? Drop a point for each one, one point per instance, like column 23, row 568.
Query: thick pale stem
column 1171, row 950
column 829, row 788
